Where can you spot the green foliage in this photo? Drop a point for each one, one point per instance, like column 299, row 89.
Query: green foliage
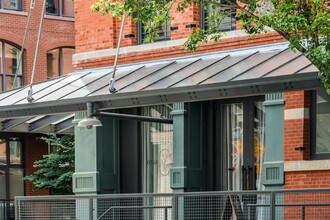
column 56, row 168
column 305, row 24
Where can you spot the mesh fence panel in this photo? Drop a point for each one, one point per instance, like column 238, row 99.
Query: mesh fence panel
column 257, row 205
column 223, row 206
column 302, row 205
column 47, row 209
column 138, row 207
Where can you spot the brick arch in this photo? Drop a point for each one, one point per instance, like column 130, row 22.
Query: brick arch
column 54, row 45
column 10, row 38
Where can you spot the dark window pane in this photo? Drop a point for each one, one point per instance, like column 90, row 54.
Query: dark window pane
column 67, row 66
column 52, row 7
column 3, row 151
column 15, row 148
column 16, row 182
column 322, row 123
column 53, row 63
column 2, row 183
column 11, row 59
column 12, row 4
column 67, row 8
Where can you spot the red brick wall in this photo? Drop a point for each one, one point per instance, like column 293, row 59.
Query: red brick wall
column 96, row 32
column 55, row 33
column 296, row 131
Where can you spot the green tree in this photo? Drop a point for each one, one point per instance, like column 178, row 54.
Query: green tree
column 56, row 168
column 304, row 23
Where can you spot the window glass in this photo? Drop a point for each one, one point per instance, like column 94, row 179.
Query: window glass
column 227, row 20
column 322, row 122
column 67, row 54
column 53, row 59
column 164, row 32
column 11, row 58
column 12, row 4
column 3, row 153
column 15, row 182
column 52, row 7
column 60, row 8
column 68, row 8
column 15, row 149
column 2, row 183
column 1, row 58
column 157, row 151
column 10, row 81
column 59, row 62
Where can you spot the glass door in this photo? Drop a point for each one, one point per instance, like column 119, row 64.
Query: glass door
column 240, row 145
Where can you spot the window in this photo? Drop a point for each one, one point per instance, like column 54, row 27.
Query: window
column 226, row 22
column 164, row 32
column 11, row 170
column 11, row 4
column 59, row 62
column 64, row 8
column 320, row 120
column 9, row 56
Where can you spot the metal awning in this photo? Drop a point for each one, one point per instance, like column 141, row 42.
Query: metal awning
column 235, row 73
column 59, row 123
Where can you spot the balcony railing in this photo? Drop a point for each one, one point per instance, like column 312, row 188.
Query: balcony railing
column 288, row 204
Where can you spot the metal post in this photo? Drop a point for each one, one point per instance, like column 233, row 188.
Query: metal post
column 165, row 213
column 272, row 206
column 303, row 212
column 175, row 207
column 90, row 208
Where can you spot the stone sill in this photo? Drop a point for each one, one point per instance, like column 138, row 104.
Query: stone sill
column 12, row 12
column 144, row 47
column 61, row 18
column 306, row 165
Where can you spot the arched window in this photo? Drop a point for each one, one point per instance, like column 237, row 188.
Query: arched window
column 59, row 62
column 9, row 56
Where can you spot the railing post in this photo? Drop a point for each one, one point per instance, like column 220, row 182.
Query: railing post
column 90, row 208
column 272, row 206
column 175, row 207
column 303, row 212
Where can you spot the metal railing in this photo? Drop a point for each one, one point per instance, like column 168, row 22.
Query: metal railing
column 284, row 204
column 7, row 209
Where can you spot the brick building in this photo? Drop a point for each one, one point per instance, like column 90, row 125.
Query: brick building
column 19, row 150
column 238, row 114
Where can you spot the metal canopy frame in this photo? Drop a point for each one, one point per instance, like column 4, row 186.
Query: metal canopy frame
column 227, row 74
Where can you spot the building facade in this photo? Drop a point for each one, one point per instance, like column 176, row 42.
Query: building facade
column 271, row 140
column 18, row 18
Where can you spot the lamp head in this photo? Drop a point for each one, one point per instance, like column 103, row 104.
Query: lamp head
column 89, row 123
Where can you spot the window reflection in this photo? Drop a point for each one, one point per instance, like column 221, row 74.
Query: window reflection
column 2, row 184
column 11, row 172
column 63, row 8
column 12, row 4
column 3, row 159
column 15, row 182
column 322, row 123
column 9, row 57
column 15, row 152
column 59, row 62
